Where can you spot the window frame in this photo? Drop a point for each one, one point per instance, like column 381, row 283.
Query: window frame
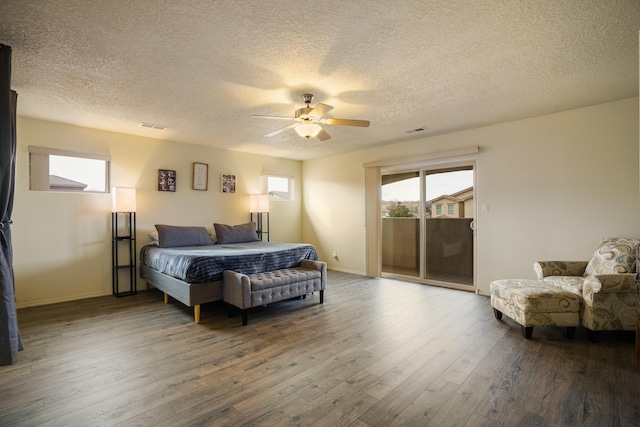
column 290, row 184
column 39, row 168
column 450, row 209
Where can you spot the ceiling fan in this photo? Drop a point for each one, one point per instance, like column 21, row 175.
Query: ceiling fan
column 307, row 120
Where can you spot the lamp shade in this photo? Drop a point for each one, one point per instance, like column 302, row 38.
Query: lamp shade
column 308, row 129
column 258, row 203
column 124, row 199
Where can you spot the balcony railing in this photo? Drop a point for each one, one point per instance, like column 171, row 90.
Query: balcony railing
column 448, row 248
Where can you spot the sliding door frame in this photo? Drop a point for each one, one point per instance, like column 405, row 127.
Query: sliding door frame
column 373, row 220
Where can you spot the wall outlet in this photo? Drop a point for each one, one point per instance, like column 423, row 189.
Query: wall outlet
column 335, row 254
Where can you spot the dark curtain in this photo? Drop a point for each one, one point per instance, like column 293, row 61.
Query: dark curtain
column 10, row 342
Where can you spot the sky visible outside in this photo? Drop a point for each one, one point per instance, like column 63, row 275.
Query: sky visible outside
column 87, row 171
column 437, row 185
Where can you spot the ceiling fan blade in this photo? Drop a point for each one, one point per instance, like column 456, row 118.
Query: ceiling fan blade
column 323, row 135
column 273, row 117
column 347, row 122
column 277, row 131
column 320, row 110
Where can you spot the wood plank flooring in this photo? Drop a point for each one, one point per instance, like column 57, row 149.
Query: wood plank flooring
column 378, row 352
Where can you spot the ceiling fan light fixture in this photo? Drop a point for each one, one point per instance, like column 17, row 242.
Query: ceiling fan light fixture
column 306, row 120
column 308, row 130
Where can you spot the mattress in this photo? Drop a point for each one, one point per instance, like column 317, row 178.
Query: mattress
column 203, row 264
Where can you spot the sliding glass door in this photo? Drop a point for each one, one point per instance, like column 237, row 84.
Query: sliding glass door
column 427, row 225
column 401, row 214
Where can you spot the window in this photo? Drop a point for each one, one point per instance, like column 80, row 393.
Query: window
column 278, row 187
column 52, row 169
column 438, row 209
column 449, row 209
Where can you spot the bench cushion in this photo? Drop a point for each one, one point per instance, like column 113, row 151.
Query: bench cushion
column 282, row 277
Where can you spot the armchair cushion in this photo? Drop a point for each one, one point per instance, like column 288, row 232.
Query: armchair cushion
column 571, row 284
column 617, row 255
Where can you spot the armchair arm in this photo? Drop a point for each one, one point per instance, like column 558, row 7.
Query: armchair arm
column 610, row 283
column 559, row 268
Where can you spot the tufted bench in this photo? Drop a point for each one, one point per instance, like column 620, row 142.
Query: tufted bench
column 246, row 291
column 535, row 303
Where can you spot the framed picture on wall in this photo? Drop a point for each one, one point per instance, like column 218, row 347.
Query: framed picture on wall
column 200, row 176
column 228, row 183
column 166, row 180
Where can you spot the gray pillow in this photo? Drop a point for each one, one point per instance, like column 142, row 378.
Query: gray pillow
column 236, row 233
column 174, row 236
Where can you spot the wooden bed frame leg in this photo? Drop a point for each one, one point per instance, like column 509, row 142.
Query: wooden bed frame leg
column 166, row 298
column 196, row 313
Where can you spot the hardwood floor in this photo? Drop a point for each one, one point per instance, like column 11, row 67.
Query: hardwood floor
column 378, row 352
column 459, row 279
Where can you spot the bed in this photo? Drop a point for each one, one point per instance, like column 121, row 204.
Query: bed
column 193, row 274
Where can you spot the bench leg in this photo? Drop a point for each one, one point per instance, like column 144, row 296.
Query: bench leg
column 527, row 331
column 245, row 312
column 321, row 296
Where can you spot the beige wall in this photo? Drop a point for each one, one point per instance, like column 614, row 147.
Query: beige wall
column 62, row 241
column 544, row 180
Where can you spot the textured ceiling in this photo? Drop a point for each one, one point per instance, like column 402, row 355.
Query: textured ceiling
column 202, row 68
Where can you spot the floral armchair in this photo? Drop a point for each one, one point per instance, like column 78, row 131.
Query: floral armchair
column 608, row 284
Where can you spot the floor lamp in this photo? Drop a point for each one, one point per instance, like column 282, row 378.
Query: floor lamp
column 124, row 204
column 259, row 205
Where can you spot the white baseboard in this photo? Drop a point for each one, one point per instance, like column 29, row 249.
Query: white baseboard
column 346, row 270
column 61, row 299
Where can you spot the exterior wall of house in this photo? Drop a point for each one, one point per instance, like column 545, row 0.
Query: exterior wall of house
column 572, row 161
column 469, row 208
column 62, row 241
column 444, row 204
column 462, row 205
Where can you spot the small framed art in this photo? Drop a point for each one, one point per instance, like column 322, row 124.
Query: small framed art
column 200, row 176
column 166, row 180
column 228, row 183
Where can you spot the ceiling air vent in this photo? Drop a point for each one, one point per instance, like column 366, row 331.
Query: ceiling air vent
column 420, row 129
column 152, row 126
